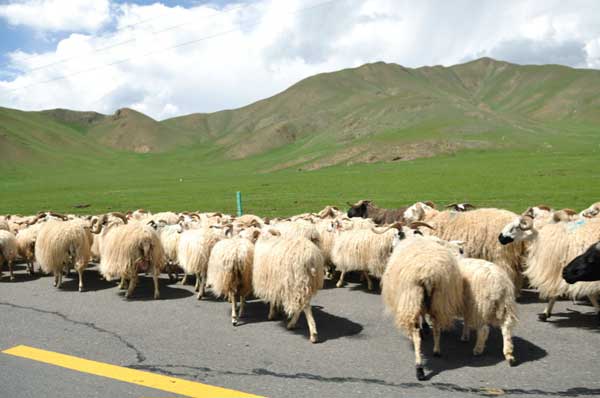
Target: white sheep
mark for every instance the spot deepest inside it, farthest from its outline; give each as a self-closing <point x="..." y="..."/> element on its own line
<point x="422" y="278"/>
<point x="61" y="244"/>
<point x="230" y="270"/>
<point x="489" y="299"/>
<point x="549" y="250"/>
<point x="287" y="273"/>
<point x="366" y="250"/>
<point x="8" y="251"/>
<point x="129" y="249"/>
<point x="26" y="245"/>
<point x="479" y="230"/>
<point x="193" y="254"/>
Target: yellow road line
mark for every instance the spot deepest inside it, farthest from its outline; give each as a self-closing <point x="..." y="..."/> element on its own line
<point x="146" y="379"/>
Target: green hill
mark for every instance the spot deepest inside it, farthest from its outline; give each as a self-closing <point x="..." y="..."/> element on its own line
<point x="486" y="131"/>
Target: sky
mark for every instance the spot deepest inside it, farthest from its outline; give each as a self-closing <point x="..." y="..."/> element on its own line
<point x="172" y="58"/>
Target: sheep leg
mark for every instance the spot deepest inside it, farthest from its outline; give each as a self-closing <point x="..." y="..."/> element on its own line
<point x="122" y="283"/>
<point x="507" y="345"/>
<point x="594" y="300"/>
<point x="369" y="281"/>
<point x="202" y="285"/>
<point x="58" y="279"/>
<point x="80" y="273"/>
<point x="340" y="283"/>
<point x="156" y="289"/>
<point x="272" y="312"/>
<point x="436" y="339"/>
<point x="234" y="316"/>
<point x="10" y="270"/>
<point x="242" y="302"/>
<point x="184" y="280"/>
<point x="416" y="339"/>
<point x="548" y="311"/>
<point x="312" y="325"/>
<point x="197" y="285"/>
<point x="55" y="279"/>
<point x="466" y="330"/>
<point x="292" y="323"/>
<point x="132" y="283"/>
<point x="482" y="335"/>
<point x="30" y="268"/>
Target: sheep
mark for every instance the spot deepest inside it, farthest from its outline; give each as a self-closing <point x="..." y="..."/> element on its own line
<point x="8" y="251"/>
<point x="419" y="211"/>
<point x="288" y="272"/>
<point x="366" y="209"/>
<point x="230" y="270"/>
<point x="168" y="217"/>
<point x="585" y="267"/>
<point x="488" y="299"/>
<point x="422" y="278"/>
<point x="60" y="244"/>
<point x="549" y="249"/>
<point x="4" y="226"/>
<point x="365" y="250"/>
<point x="193" y="254"/>
<point x="592" y="211"/>
<point x="169" y="238"/>
<point x="330" y="212"/>
<point x="461" y="206"/>
<point x="100" y="228"/>
<point x="479" y="230"/>
<point x="128" y="249"/>
<point x="26" y="245"/>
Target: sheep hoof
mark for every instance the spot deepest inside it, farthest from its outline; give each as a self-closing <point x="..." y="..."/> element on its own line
<point x="420" y="374"/>
<point x="464" y="339"/>
<point x="12" y="278"/>
<point x="511" y="361"/>
<point x="290" y="326"/>
<point x="199" y="296"/>
<point x="80" y="288"/>
<point x="234" y="322"/>
<point x="543" y="317"/>
<point x="314" y="338"/>
<point x="339" y="284"/>
<point x="156" y="296"/>
<point x="437" y="354"/>
<point x="477" y="352"/>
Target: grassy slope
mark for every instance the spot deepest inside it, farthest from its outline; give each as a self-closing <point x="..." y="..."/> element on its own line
<point x="543" y="123"/>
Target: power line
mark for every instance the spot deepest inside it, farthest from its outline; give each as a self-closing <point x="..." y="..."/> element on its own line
<point x="123" y="42"/>
<point x="178" y="45"/>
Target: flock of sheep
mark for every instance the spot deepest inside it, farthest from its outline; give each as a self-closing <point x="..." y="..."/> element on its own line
<point x="434" y="266"/>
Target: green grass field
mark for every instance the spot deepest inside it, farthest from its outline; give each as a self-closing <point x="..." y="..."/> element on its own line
<point x="182" y="180"/>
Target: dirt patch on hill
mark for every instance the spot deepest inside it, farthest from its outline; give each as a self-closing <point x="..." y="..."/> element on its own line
<point x="385" y="152"/>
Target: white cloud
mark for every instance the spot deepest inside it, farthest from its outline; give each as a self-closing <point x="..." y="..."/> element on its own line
<point x="269" y="45"/>
<point x="58" y="15"/>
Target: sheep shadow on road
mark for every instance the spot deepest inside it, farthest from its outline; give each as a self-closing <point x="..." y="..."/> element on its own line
<point x="457" y="354"/>
<point x="21" y="274"/>
<point x="329" y="326"/>
<point x="144" y="290"/>
<point x="92" y="282"/>
<point x="572" y="318"/>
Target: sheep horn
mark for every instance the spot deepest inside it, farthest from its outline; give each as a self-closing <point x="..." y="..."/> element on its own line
<point x="526" y="223"/>
<point x="119" y="215"/>
<point x="417" y="224"/>
<point x="569" y="212"/>
<point x="452" y="206"/>
<point x="468" y="206"/>
<point x="99" y="223"/>
<point x="430" y="204"/>
<point x="36" y="219"/>
<point x="58" y="215"/>
<point x="396" y="225"/>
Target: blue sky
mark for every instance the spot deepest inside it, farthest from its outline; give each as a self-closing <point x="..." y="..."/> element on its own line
<point x="204" y="56"/>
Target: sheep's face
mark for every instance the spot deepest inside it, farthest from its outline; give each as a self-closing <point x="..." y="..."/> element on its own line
<point x="591" y="211"/>
<point x="584" y="268"/>
<point x="518" y="230"/>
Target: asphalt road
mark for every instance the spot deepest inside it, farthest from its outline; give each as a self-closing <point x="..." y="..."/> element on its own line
<point x="361" y="354"/>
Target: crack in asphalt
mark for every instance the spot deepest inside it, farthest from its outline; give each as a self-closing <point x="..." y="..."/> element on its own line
<point x="200" y="372"/>
<point x="445" y="387"/>
<point x="140" y="357"/>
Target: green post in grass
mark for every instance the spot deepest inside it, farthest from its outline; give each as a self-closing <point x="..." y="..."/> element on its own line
<point x="239" y="203"/>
